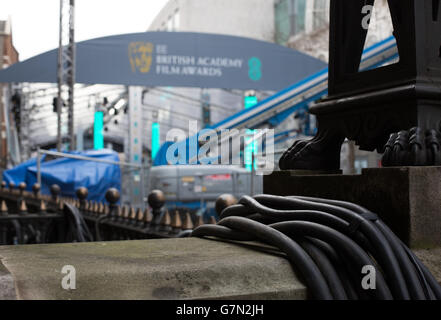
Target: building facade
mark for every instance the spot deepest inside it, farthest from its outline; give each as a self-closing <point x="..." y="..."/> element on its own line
<point x="9" y="153"/>
<point x="244" y="18"/>
<point x="304" y="25"/>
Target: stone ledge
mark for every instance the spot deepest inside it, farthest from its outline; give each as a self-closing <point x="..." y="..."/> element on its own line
<point x="188" y="268"/>
<point x="7" y="285"/>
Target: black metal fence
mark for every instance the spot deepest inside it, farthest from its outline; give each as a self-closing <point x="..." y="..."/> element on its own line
<point x="31" y="217"/>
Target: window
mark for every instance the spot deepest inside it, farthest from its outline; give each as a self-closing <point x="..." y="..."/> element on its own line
<point x="170" y="24"/>
<point x="289" y="19"/>
<point x="176" y="20"/>
<point x="360" y="164"/>
<point x="297" y="16"/>
<point x="173" y="22"/>
<point x="283" y="25"/>
<point x="321" y="14"/>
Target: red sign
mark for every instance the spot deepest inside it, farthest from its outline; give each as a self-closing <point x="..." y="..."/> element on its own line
<point x="219" y="177"/>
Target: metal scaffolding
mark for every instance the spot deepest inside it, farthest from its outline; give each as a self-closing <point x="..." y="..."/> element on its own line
<point x="66" y="70"/>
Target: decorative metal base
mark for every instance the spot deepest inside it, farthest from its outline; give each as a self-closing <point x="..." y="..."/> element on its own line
<point x="320" y="153"/>
<point x="368" y="106"/>
<point x="414" y="147"/>
<point x="368" y="119"/>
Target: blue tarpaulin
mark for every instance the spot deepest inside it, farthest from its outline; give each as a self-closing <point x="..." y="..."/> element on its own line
<point x="70" y="174"/>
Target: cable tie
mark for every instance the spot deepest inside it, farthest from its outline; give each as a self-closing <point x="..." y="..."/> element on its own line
<point x="354" y="225"/>
<point x="369" y="216"/>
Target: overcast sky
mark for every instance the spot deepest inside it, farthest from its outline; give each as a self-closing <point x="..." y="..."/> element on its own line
<point x="35" y="22"/>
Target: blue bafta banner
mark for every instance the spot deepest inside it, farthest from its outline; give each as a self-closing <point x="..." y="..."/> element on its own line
<point x="180" y="59"/>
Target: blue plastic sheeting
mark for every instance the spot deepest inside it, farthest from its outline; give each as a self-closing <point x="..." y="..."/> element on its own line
<point x="70" y="174"/>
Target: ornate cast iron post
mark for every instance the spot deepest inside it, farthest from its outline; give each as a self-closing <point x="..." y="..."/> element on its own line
<point x="369" y="106"/>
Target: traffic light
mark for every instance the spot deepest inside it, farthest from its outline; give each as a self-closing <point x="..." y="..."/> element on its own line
<point x="54" y="104"/>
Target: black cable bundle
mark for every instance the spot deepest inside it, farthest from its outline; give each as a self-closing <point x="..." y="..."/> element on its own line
<point x="329" y="243"/>
<point x="77" y="227"/>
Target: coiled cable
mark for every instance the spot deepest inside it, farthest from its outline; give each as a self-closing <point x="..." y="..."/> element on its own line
<point x="329" y="242"/>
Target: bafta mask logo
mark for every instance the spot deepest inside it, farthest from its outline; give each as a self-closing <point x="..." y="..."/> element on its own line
<point x="140" y="56"/>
